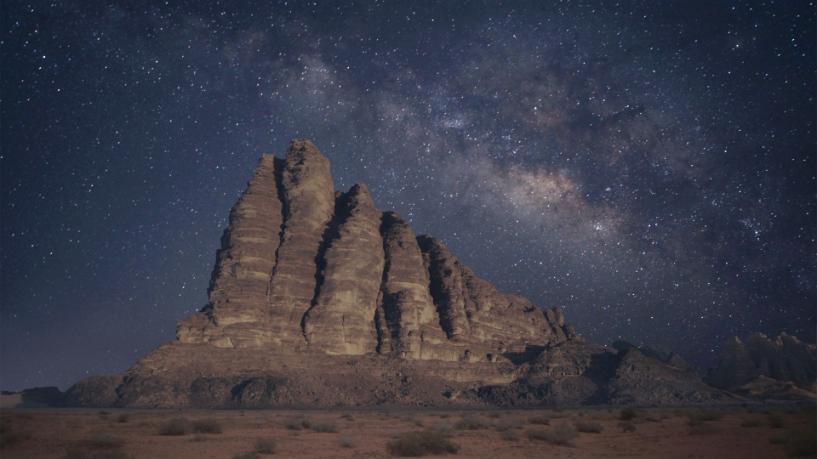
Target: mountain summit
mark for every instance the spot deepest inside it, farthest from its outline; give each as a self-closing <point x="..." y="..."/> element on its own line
<point x="318" y="298"/>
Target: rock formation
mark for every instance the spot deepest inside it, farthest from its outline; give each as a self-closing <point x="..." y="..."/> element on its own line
<point x="760" y="360"/>
<point x="318" y="298"/>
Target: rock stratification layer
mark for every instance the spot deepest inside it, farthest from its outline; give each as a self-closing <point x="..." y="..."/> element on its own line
<point x="318" y="298"/>
<point x="304" y="267"/>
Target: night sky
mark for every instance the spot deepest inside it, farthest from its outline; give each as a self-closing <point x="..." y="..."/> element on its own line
<point x="648" y="166"/>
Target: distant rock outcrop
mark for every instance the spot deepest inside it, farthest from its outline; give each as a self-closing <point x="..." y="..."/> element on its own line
<point x="753" y="366"/>
<point x="318" y="298"/>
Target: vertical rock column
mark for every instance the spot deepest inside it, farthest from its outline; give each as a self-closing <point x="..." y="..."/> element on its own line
<point x="409" y="325"/>
<point x="309" y="201"/>
<point x="341" y="320"/>
<point x="447" y="287"/>
<point x="237" y="310"/>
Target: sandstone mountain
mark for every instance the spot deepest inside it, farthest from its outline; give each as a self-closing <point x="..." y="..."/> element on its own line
<point x="318" y="298"/>
<point x="783" y="367"/>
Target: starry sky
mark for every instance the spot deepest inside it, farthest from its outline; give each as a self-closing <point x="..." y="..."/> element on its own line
<point x="647" y="166"/>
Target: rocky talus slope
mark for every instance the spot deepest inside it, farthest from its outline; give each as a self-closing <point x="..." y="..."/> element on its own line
<point x="318" y="298"/>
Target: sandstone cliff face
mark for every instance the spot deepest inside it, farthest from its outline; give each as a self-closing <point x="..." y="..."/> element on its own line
<point x="301" y="267"/>
<point x="320" y="299"/>
<point x="784" y="358"/>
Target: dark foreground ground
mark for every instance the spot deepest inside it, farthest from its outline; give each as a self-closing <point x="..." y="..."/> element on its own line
<point x="758" y="432"/>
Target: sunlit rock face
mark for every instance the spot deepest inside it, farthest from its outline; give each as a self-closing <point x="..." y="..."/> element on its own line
<point x="302" y="266"/>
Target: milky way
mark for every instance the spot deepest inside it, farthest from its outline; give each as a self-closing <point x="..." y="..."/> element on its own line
<point x="649" y="167"/>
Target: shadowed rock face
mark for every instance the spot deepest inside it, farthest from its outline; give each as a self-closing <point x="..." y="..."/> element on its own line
<point x="318" y="298"/>
<point x="784" y="358"/>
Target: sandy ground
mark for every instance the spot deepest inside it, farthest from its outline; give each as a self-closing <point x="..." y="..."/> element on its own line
<point x="667" y="433"/>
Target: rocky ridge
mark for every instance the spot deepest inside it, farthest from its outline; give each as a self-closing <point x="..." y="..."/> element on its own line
<point x="318" y="298"/>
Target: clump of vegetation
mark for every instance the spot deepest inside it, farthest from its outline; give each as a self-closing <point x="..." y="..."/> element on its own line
<point x="77" y="452"/>
<point x="539" y="420"/>
<point x="10" y="438"/>
<point x="698" y="417"/>
<point x="504" y="426"/>
<point x="266" y="446"/>
<point x="103" y="413"/>
<point x="346" y="442"/>
<point x="104" y="441"/>
<point x="469" y="423"/>
<point x="249" y="455"/>
<point x="297" y="424"/>
<point x="775" y="421"/>
<point x="207" y="426"/>
<point x="175" y="426"/>
<point x="701" y="428"/>
<point x="589" y="427"/>
<point x="626" y="426"/>
<point x="347" y="416"/>
<point x="627" y="414"/>
<point x="509" y="435"/>
<point x="750" y="423"/>
<point x="562" y="434"/>
<point x="493" y="414"/>
<point x="123" y="418"/>
<point x="801" y="442"/>
<point x="323" y="427"/>
<point x="423" y="443"/>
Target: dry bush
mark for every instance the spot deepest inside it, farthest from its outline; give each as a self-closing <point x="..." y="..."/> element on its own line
<point x="627" y="414"/>
<point x="122" y="418"/>
<point x="424" y="443"/>
<point x="698" y="417"/>
<point x="562" y="434"/>
<point x="469" y="423"/>
<point x="346" y="442"/>
<point x="751" y="423"/>
<point x="626" y="426"/>
<point x="249" y="455"/>
<point x="775" y="421"/>
<point x="347" y="416"/>
<point x="266" y="446"/>
<point x="175" y="426"/>
<point x="297" y="424"/>
<point x="207" y="426"/>
<point x="104" y="441"/>
<point x="509" y="435"/>
<point x="324" y="427"/>
<point x="539" y="420"/>
<point x="801" y="443"/>
<point x="589" y="427"/>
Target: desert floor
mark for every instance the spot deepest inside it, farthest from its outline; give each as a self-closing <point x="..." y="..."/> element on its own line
<point x="758" y="432"/>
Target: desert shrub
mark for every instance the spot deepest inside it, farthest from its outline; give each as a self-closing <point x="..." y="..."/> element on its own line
<point x="418" y="423"/>
<point x="750" y="423"/>
<point x="323" y="427"/>
<point x="415" y="444"/>
<point x="626" y="426"/>
<point x="627" y="414"/>
<point x="249" y="455"/>
<point x="493" y="414"/>
<point x="775" y="421"/>
<point x="346" y="442"/>
<point x="103" y="414"/>
<point x="801" y="443"/>
<point x="540" y="420"/>
<point x="778" y="440"/>
<point x="10" y="438"/>
<point x="504" y="426"/>
<point x="509" y="435"/>
<point x="122" y="418"/>
<point x="78" y="452"/>
<point x="652" y="419"/>
<point x="560" y="435"/>
<point x="207" y="426"/>
<point x="347" y="416"/>
<point x="589" y="427"/>
<point x="175" y="426"/>
<point x="265" y="446"/>
<point x="469" y="423"/>
<point x="698" y="417"/>
<point x="297" y="424"/>
<point x="701" y="428"/>
<point x="104" y="441"/>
